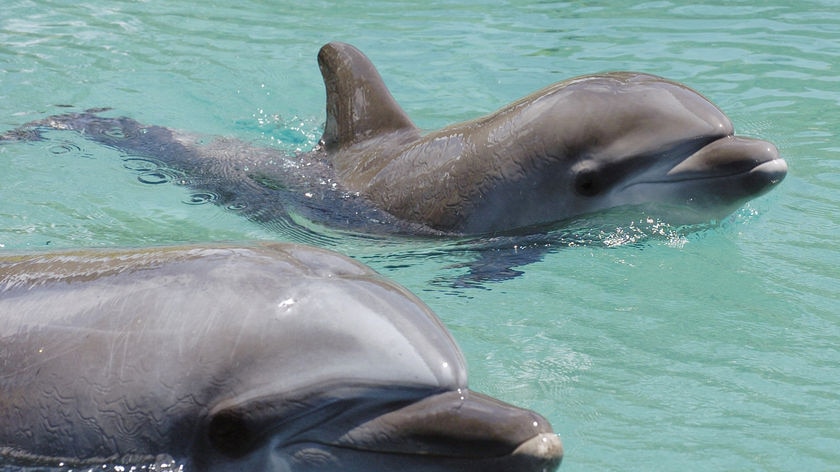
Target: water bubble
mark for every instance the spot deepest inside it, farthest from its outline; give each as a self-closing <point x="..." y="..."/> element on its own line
<point x="159" y="176"/>
<point x="141" y="164"/>
<point x="115" y="132"/>
<point x="200" y="198"/>
<point x="64" y="148"/>
<point x="152" y="171"/>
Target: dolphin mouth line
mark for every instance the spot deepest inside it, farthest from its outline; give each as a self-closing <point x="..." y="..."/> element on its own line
<point x="448" y="426"/>
<point x="540" y="446"/>
<point x="776" y="166"/>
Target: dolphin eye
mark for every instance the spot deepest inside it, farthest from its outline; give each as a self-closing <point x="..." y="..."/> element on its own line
<point x="586" y="183"/>
<point x="229" y="434"/>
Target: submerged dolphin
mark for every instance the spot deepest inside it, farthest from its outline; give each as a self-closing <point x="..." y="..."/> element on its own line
<point x="274" y="358"/>
<point x="580" y="146"/>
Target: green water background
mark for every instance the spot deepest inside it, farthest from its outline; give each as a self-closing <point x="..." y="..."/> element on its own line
<point x="715" y="350"/>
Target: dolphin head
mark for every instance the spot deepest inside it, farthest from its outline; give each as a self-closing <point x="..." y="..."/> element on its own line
<point x="273" y="357"/>
<point x="622" y="139"/>
<point x="359" y="375"/>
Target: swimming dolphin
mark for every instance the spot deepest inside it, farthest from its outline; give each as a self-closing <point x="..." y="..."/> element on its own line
<point x="584" y="145"/>
<point x="277" y="357"/>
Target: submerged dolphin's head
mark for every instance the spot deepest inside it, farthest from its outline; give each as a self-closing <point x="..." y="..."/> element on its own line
<point x="348" y="371"/>
<point x="621" y="139"/>
<point x="270" y="358"/>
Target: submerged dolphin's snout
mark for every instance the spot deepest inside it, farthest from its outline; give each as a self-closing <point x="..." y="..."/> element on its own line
<point x="464" y="426"/>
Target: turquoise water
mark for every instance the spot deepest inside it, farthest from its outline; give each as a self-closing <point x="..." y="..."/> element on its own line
<point x="648" y="347"/>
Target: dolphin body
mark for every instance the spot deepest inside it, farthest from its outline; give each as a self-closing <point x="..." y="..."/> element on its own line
<point x="576" y="147"/>
<point x="277" y="357"/>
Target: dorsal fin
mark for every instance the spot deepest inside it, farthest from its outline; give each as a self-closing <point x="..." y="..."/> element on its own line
<point x="359" y="105"/>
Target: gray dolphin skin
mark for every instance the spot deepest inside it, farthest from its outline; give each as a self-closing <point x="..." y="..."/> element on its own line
<point x="576" y="147"/>
<point x="274" y="357"/>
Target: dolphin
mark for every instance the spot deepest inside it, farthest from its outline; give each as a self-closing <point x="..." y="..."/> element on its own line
<point x="273" y="357"/>
<point x="588" y="144"/>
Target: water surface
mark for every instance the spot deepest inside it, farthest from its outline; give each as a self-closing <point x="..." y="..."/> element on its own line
<point x="648" y="347"/>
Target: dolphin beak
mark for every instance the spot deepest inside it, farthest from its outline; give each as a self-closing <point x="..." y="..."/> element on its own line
<point x="754" y="165"/>
<point x="711" y="182"/>
<point x="462" y="427"/>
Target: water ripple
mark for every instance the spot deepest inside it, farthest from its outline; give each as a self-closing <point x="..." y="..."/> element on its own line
<point x="201" y="198"/>
<point x="153" y="172"/>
